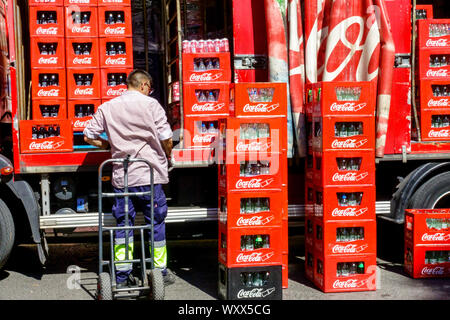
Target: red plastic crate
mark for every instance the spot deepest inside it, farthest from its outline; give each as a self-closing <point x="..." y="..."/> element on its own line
<point x="191" y="74"/>
<point x="63" y="143"/>
<point x="193" y="135"/>
<point x="345" y="99"/>
<point x="79" y="123"/>
<point x="309" y="134"/>
<point x="231" y="204"/>
<point x="420" y="226"/>
<point x="237" y="140"/>
<point x="49" y="29"/>
<point x="427" y="7"/>
<point x="310" y="261"/>
<point x="310" y="226"/>
<point x="324" y="138"/>
<point x="107" y="91"/>
<point x="328" y="208"/>
<point x="285" y="271"/>
<point x="249" y="101"/>
<point x="327" y="170"/>
<point x="309" y="165"/>
<point x="425" y="41"/>
<point x="417" y="265"/>
<point x="50" y="92"/>
<point x="79" y="30"/>
<point x="117" y="29"/>
<point x="430" y="133"/>
<point x="74" y="60"/>
<point x="275" y="179"/>
<point x="429" y="98"/>
<point x="44" y="3"/>
<point x="75" y="91"/>
<point x="231" y="255"/>
<point x="80" y="3"/>
<point x="310" y="199"/>
<point x="39" y="106"/>
<point x="327" y="280"/>
<point x="325" y="238"/>
<point x="192" y="105"/>
<point x="427" y="70"/>
<point x="116" y="60"/>
<point x="114" y="2"/>
<point x="41" y="44"/>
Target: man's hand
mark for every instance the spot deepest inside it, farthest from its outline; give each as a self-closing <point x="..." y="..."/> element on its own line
<point x="99" y="142"/>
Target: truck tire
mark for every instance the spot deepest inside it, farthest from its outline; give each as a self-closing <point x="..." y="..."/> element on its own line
<point x="435" y="193"/>
<point x="7" y="233"/>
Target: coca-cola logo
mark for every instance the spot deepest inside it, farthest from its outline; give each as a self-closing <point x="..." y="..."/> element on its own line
<point x="79" y="1"/>
<point x="116" y="30"/>
<point x="346" y="284"/>
<point x="253" y="183"/>
<point x="117" y="61"/>
<point x="111" y="1"/>
<point x="261" y="107"/>
<point x="349" y="177"/>
<point x="208" y="138"/>
<point x="115" y="92"/>
<point x="208" y="107"/>
<point x="51" y="60"/>
<point x="205" y="77"/>
<point x="348" y="212"/>
<point x="45" y="145"/>
<point x="79" y="29"/>
<point x="437" y="73"/>
<point x="84" y="92"/>
<point x="253" y="146"/>
<point x="48" y="93"/>
<point x="349" y="248"/>
<point x="436" y="237"/>
<point x="255" y="293"/>
<point x="436" y="43"/>
<point x="436" y="271"/>
<point x="47" y="31"/>
<point x="439" y="134"/>
<point x="348" y="144"/>
<point x="81" y="124"/>
<point x="254" y="221"/>
<point x="86" y="60"/>
<point x="253" y="257"/>
<point x="347" y="107"/>
<point x="438" y="103"/>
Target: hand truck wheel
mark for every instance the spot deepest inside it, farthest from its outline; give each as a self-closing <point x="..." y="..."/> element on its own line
<point x="156" y="284"/>
<point x="104" y="290"/>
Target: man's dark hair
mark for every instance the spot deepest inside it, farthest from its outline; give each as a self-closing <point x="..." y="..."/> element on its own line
<point x="136" y="77"/>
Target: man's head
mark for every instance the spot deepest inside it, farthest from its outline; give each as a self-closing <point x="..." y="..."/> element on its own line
<point x="140" y="80"/>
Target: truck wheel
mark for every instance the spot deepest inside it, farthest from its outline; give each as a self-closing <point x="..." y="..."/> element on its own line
<point x="7" y="233"/>
<point x="156" y="283"/>
<point x="104" y="290"/>
<point x="435" y="193"/>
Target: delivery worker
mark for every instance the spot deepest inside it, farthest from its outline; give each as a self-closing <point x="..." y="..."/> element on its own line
<point x="136" y="125"/>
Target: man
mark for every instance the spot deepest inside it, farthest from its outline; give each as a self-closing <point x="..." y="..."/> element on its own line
<point x="136" y="125"/>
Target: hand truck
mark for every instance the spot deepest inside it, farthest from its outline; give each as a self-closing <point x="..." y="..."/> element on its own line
<point x="151" y="279"/>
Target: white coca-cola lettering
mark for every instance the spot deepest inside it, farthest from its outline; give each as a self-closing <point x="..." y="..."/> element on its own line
<point x="48" y="93"/>
<point x="207" y="107"/>
<point x="84" y="92"/>
<point x="79" y="1"/>
<point x="347" y="107"/>
<point x="83" y="29"/>
<point x="51" y="60"/>
<point x="112" y="1"/>
<point x="86" y="60"/>
<point x="253" y="257"/>
<point x="349" y="248"/>
<point x="205" y="77"/>
<point x="350" y="283"/>
<point x="439" y="134"/>
<point x="261" y="107"/>
<point x="47" y="31"/>
<point x="81" y="124"/>
<point x="349" y="177"/>
<point x="436" y="43"/>
<point x="117" y="61"/>
<point x="436" y="271"/>
<point x="253" y="183"/>
<point x="46" y="145"/>
<point x="435" y="237"/>
<point x="348" y="212"/>
<point x="115" y="92"/>
<point x="437" y="73"/>
<point x="203" y="139"/>
<point x="348" y="144"/>
<point x="253" y="221"/>
<point x="438" y="103"/>
<point x="116" y="30"/>
<point x="253" y="146"/>
<point x="254" y="293"/>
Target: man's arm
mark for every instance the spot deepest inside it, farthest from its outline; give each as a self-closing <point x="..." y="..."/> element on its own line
<point x="99" y="142"/>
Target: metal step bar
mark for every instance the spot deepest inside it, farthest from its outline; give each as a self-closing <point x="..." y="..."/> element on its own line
<point x="296" y="214"/>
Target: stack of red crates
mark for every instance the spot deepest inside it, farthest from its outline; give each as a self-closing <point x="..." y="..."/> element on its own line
<point x="340" y="225"/>
<point x="206" y="92"/>
<point x="427" y="243"/>
<point x="253" y="207"/>
<point x="433" y="75"/>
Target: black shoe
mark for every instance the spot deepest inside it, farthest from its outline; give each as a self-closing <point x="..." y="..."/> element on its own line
<point x="130" y="282"/>
<point x="169" y="277"/>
